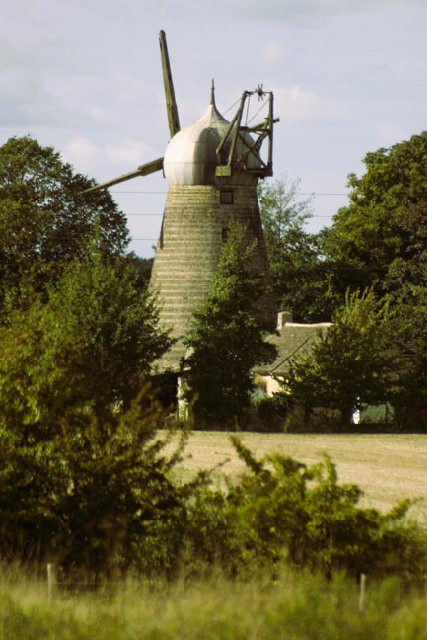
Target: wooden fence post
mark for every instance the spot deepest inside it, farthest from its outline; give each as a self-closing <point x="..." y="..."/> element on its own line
<point x="362" y="591"/>
<point x="51" y="580"/>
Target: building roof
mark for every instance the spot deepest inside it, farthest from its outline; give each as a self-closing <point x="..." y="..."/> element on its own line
<point x="291" y="340"/>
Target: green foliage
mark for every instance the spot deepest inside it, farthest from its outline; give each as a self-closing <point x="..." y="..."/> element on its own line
<point x="407" y="282"/>
<point x="410" y="397"/>
<point x="385" y="221"/>
<point x="293" y="606"/>
<point x="379" y="240"/>
<point x="283" y="511"/>
<point x="351" y="363"/>
<point x="121" y="494"/>
<point x="297" y="269"/>
<point x="45" y="219"/>
<point x="267" y="413"/>
<point x="81" y="473"/>
<point x="280" y="208"/>
<point x="409" y="269"/>
<point x="143" y="266"/>
<point x="88" y="346"/>
<point x="87" y="496"/>
<point x="227" y="337"/>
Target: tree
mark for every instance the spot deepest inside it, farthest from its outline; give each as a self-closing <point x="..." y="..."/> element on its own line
<point x="227" y="337"/>
<point x="353" y="362"/>
<point x="94" y="498"/>
<point x="45" y="219"/>
<point x="88" y="346"/>
<point x="379" y="240"/>
<point x="386" y="220"/>
<point x="297" y="269"/>
<point x="82" y="473"/>
<point x="410" y="398"/>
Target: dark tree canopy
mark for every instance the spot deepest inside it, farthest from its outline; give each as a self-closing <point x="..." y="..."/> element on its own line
<point x="385" y="223"/>
<point x="380" y="240"/>
<point x="45" y="220"/>
<point x="81" y="469"/>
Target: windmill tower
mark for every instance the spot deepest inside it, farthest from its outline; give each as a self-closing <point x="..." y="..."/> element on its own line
<point x="212" y="168"/>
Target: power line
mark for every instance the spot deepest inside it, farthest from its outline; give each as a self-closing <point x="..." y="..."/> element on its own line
<point x="311" y="193"/>
<point x="315" y="215"/>
<point x="149" y="192"/>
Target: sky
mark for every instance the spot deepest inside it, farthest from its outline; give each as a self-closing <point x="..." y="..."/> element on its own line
<point x="84" y="76"/>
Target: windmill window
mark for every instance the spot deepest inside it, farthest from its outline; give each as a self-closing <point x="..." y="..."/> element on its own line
<point x="224" y="234"/>
<point x="226" y="196"/>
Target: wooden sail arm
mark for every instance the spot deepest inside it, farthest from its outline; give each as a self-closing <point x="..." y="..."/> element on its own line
<point x="143" y="170"/>
<point x="171" y="105"/>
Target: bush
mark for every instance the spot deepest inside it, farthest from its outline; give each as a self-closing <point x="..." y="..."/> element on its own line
<point x="282" y="511"/>
<point x="93" y="497"/>
<point x="267" y="414"/>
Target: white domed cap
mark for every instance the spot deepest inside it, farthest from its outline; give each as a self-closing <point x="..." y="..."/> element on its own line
<point x="190" y="157"/>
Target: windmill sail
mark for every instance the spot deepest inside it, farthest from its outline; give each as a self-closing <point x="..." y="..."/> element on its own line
<point x="143" y="170"/>
<point x="171" y="106"/>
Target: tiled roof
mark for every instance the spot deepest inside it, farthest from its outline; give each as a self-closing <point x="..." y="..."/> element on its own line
<point x="291" y="340"/>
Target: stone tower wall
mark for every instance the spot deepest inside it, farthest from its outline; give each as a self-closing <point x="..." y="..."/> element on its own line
<point x="194" y="228"/>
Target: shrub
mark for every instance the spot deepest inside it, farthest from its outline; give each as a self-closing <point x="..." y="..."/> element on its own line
<point x="94" y="496"/>
<point x="284" y="511"/>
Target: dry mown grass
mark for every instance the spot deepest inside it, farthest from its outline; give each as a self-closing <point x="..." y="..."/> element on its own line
<point x="388" y="468"/>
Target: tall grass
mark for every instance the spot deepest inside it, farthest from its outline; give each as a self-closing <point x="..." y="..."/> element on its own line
<point x="295" y="606"/>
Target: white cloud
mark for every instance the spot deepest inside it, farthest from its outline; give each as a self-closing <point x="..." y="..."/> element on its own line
<point x="387" y="133"/>
<point x="272" y="51"/>
<point x="131" y="152"/>
<point x="299" y="105"/>
<point x="125" y="155"/>
<point x="80" y="152"/>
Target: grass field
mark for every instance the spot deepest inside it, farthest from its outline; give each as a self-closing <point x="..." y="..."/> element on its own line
<point x="388" y="468"/>
<point x="294" y="607"/>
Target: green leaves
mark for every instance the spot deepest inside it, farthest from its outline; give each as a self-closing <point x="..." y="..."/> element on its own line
<point x="297" y="269"/>
<point x="87" y="348"/>
<point x="372" y="232"/>
<point x="353" y="362"/>
<point x="87" y="496"/>
<point x="227" y="336"/>
<point x="45" y="220"/>
<point x="82" y="470"/>
<point x="282" y="510"/>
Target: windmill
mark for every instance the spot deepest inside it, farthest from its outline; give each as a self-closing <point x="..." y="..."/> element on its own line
<point x="212" y="168"/>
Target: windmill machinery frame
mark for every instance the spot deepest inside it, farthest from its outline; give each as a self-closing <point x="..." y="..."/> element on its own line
<point x="229" y="160"/>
